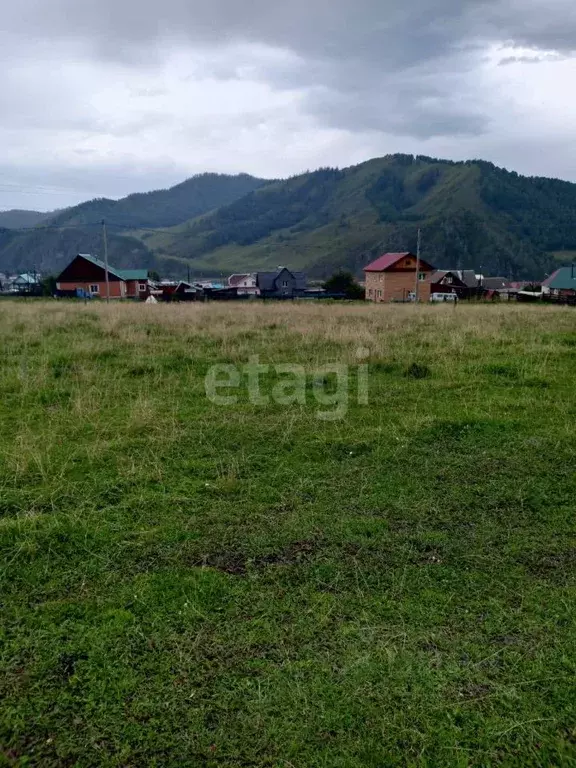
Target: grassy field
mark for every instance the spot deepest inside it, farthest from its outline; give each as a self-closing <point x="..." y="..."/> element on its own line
<point x="192" y="584"/>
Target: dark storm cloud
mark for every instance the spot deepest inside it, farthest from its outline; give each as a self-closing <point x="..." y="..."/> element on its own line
<point x="368" y="64"/>
<point x="407" y="70"/>
<point x="368" y="57"/>
<point x="409" y="32"/>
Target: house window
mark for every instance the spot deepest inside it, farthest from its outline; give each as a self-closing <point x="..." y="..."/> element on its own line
<point x="142" y="286"/>
<point x="379" y="294"/>
<point x="421" y="276"/>
<point x="447" y="280"/>
<point x="285" y="284"/>
<point x="407" y="263"/>
<point x="94" y="289"/>
<point x="370" y="292"/>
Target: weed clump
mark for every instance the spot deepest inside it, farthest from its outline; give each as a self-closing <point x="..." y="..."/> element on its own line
<point x="418" y="371"/>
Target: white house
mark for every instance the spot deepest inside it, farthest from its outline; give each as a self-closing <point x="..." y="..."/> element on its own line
<point x="247" y="284"/>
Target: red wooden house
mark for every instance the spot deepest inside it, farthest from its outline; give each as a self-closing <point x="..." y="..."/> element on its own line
<point x="86" y="274"/>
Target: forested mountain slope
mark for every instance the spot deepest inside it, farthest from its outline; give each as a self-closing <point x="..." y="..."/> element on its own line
<point x="75" y="229"/>
<point x="19" y="219"/>
<point x="472" y="214"/>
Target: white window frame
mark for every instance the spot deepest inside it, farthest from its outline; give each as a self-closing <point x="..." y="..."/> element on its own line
<point x="95" y="289"/>
<point x="421" y="276"/>
<point x="142" y="286"/>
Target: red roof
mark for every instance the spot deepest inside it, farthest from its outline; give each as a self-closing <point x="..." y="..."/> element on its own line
<point x="386" y="261"/>
<point x="389" y="259"/>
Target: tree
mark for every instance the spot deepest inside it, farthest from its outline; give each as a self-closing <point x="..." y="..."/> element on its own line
<point x="49" y="285"/>
<point x="344" y="283"/>
<point x="153" y="275"/>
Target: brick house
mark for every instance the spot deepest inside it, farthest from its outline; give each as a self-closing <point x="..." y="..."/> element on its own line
<point x="87" y="275"/>
<point x="392" y="277"/>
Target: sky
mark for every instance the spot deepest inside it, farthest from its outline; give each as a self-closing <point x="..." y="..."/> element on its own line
<point x="101" y="99"/>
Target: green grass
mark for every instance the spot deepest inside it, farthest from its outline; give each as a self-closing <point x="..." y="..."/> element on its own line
<point x="192" y="584"/>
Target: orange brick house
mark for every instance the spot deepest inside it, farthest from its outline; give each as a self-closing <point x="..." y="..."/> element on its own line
<point x="86" y="273"/>
<point x="392" y="277"/>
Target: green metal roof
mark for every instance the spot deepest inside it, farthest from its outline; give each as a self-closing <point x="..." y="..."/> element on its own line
<point x="562" y="280"/>
<point x="123" y="274"/>
<point x="135" y="274"/>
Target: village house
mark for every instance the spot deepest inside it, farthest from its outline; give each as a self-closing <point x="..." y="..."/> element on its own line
<point x="246" y="285"/>
<point x="393" y="276"/>
<point x="282" y="284"/>
<point x="447" y="281"/>
<point x="561" y="283"/>
<point x="86" y="275"/>
<point x="26" y="283"/>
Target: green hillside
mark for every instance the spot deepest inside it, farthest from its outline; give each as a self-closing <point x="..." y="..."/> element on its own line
<point x="18" y="219"/>
<point x="164" y="207"/>
<point x="472" y="215"/>
<point x="77" y="229"/>
<point x="49" y="251"/>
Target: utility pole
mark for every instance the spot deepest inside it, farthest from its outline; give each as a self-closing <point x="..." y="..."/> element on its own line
<point x="105" y="238"/>
<point x="417" y="286"/>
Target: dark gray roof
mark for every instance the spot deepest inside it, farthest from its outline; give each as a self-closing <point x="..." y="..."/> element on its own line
<point x="468" y="277"/>
<point x="440" y="274"/>
<point x="301" y="280"/>
<point x="435" y="277"/>
<point x="495" y="283"/>
<point x="266" y="280"/>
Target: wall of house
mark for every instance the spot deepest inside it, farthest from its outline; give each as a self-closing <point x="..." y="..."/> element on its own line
<point x="133" y="289"/>
<point x="395" y="285"/>
<point x="117" y="287"/>
<point x="443" y="287"/>
<point x="285" y="290"/>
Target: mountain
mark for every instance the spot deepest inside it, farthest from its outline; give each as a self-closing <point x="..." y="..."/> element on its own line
<point x="16" y="219"/>
<point x="78" y="229"/>
<point x="48" y="251"/>
<point x="164" y="207"/>
<point x="472" y="214"/>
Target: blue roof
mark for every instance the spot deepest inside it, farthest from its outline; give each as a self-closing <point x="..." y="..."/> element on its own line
<point x="26" y="278"/>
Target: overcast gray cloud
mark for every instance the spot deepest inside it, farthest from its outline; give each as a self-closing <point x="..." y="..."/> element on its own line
<point x="102" y="98"/>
